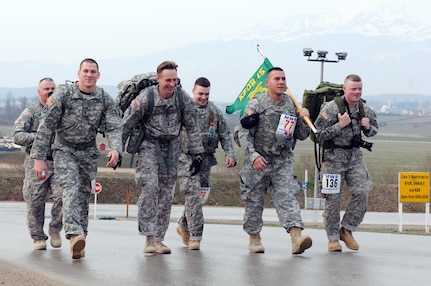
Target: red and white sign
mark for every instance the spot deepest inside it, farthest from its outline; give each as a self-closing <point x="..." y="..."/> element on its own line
<point x="97" y="188"/>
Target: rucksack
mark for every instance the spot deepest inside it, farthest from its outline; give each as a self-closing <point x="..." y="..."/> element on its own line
<point x="313" y="101"/>
<point x="128" y="90"/>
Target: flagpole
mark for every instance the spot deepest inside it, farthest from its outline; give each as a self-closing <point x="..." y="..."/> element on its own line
<point x="289" y="93"/>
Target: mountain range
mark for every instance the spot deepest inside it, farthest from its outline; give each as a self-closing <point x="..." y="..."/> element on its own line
<point x="387" y="47"/>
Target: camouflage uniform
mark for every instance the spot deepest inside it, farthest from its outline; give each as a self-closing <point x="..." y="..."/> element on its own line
<point x="192" y="218"/>
<point x="76" y="117"/>
<point x="158" y="155"/>
<point x="278" y="175"/>
<point x="35" y="190"/>
<point x="340" y="158"/>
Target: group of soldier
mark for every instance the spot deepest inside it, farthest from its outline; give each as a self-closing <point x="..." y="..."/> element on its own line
<point x="179" y="139"/>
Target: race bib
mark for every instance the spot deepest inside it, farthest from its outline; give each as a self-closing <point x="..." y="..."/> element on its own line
<point x="286" y="126"/>
<point x="205" y="192"/>
<point x="331" y="183"/>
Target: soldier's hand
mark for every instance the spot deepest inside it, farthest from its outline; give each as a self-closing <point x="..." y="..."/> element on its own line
<point x="365" y="122"/>
<point x="343" y="120"/>
<point x="39" y="168"/>
<point x="113" y="159"/>
<point x="259" y="163"/>
<point x="230" y="162"/>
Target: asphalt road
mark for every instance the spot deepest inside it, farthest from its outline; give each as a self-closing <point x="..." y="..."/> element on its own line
<point x="114" y="253"/>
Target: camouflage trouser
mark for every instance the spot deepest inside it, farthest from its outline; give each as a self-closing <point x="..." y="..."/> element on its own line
<point x="351" y="166"/>
<point x="35" y="192"/>
<point x="158" y="187"/>
<point x="192" y="217"/>
<point x="280" y="180"/>
<point x="74" y="171"/>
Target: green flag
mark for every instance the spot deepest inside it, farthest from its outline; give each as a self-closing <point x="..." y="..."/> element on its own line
<point x="255" y="85"/>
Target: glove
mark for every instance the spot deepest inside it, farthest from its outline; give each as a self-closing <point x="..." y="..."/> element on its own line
<point x="195" y="167"/>
<point x="250" y="121"/>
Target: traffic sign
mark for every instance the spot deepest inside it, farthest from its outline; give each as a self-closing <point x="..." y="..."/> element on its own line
<point x="97" y="188"/>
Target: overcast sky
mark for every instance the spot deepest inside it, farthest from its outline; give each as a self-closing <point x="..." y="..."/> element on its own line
<point x="56" y="31"/>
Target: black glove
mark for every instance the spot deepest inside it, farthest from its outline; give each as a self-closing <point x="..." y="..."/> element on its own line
<point x="249" y="122"/>
<point x="195" y="167"/>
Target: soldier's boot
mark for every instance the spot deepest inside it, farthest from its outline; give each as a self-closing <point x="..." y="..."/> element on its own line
<point x="184" y="233"/>
<point x="255" y="244"/>
<point x="334" y="246"/>
<point x="194" y="244"/>
<point x="39" y="245"/>
<point x="161" y="248"/>
<point x="347" y="237"/>
<point x="55" y="238"/>
<point x="299" y="243"/>
<point x="77" y="245"/>
<point x="149" y="245"/>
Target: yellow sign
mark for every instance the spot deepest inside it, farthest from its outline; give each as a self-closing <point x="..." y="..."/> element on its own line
<point x="414" y="187"/>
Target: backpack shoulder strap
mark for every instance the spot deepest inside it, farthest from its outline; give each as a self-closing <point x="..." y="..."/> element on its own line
<point x="361" y="109"/>
<point x="150" y="106"/>
<point x="339" y="101"/>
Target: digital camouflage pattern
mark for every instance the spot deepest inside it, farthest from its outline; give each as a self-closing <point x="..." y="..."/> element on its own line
<point x="192" y="218"/>
<point x="278" y="175"/>
<point x="349" y="163"/>
<point x="76" y="118"/>
<point x="35" y="190"/>
<point x="158" y="156"/>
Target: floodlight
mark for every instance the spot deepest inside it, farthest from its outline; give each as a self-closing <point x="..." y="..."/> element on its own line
<point x="341" y="56"/>
<point x="322" y="54"/>
<point x="307" y="52"/>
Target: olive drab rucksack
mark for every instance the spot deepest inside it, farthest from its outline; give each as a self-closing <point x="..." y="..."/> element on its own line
<point x="313" y="101"/>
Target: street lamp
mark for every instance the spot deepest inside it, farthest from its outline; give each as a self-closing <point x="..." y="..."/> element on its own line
<point x="321" y="57"/>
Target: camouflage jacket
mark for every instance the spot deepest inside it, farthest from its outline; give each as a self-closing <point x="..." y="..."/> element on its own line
<point x="25" y="126"/>
<point x="328" y="128"/>
<point x="166" y="119"/>
<point x="260" y="140"/>
<point x="76" y="118"/>
<point x="211" y="136"/>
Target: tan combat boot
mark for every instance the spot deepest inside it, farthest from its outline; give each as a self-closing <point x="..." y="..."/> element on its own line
<point x="39" y="245"/>
<point x="149" y="245"/>
<point x="347" y="237"/>
<point x="55" y="238"/>
<point x="334" y="246"/>
<point x="299" y="243"/>
<point x="194" y="244"/>
<point x="77" y="245"/>
<point x="255" y="245"/>
<point x="185" y="234"/>
<point x="161" y="248"/>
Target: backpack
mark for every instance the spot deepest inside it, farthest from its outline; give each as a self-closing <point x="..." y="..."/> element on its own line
<point x="128" y="90"/>
<point x="313" y="99"/>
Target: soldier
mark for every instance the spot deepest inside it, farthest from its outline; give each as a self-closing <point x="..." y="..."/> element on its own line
<point x="75" y="113"/>
<point x="343" y="162"/>
<point x="35" y="190"/>
<point x="267" y="135"/>
<point x="213" y="129"/>
<point x="159" y="151"/>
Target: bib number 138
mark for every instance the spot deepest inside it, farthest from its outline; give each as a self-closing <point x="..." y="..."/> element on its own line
<point x="331" y="183"/>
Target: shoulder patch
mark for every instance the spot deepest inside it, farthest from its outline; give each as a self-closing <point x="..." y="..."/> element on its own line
<point x="50" y="101"/>
<point x="17" y="121"/>
<point x="324" y="115"/>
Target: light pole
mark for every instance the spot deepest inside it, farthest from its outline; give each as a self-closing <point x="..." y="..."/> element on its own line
<point x="321" y="57"/>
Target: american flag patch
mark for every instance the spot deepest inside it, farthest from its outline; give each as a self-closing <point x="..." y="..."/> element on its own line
<point x="324" y="115"/>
